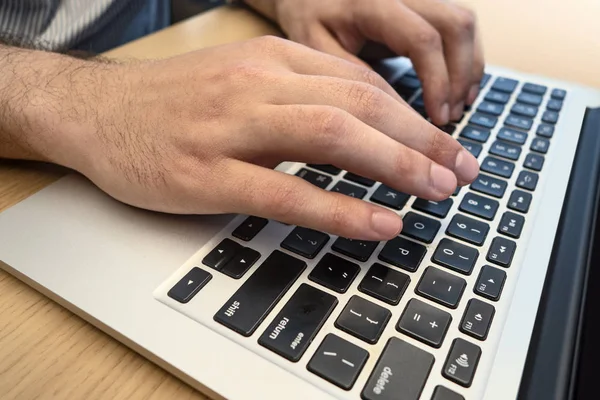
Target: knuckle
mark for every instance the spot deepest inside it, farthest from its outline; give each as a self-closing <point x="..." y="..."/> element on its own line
<point x="369" y="101"/>
<point x="328" y="125"/>
<point x="339" y="215"/>
<point x="435" y="144"/>
<point x="270" y="42"/>
<point x="245" y="71"/>
<point x="428" y="38"/>
<point x="464" y="22"/>
<point x="283" y="200"/>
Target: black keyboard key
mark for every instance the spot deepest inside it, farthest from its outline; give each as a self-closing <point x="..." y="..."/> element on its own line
<point x="540" y="145"/>
<point x="477" y="319"/>
<point x="534" y="161"/>
<point x="473" y="148"/>
<point x="516" y="121"/>
<point x="558" y="94"/>
<point x="449" y="128"/>
<point x="528" y="98"/>
<point x="189" y="285"/>
<point x="527" y="180"/>
<point x="335" y="273"/>
<point x="484" y="120"/>
<point x="511" y="224"/>
<point x="400" y="372"/>
<point x="462" y="362"/>
<point x="456" y="191"/>
<point x="419" y="227"/>
<point x="407" y="86"/>
<point x="506" y="150"/>
<point x="349" y="190"/>
<point x="221" y="254"/>
<point x="497" y="97"/>
<point x="487" y="107"/>
<point x="338" y="361"/>
<point x="550" y="117"/>
<point x="512" y="135"/>
<point x="257" y="296"/>
<point x="497" y="167"/>
<point x="418" y="102"/>
<point x="505" y="85"/>
<point x="468" y="229"/>
<point x="359" y="179"/>
<point x="315" y="178"/>
<point x="479" y="206"/>
<point x="501" y="251"/>
<point x="241" y="263"/>
<point x="384" y="284"/>
<point x="442" y="287"/>
<point x="488" y="185"/>
<point x="436" y="208"/>
<point x="490" y="282"/>
<point x="330" y="169"/>
<point x="425" y="323"/>
<point x="519" y="201"/>
<point x="554" y="105"/>
<point x="534" y="88"/>
<point x="456" y="256"/>
<point x="475" y="133"/>
<point x="545" y="130"/>
<point x="360" y="250"/>
<point x="304" y="241"/>
<point x="524" y="110"/>
<point x="443" y="393"/>
<point x="411" y="72"/>
<point x="298" y="322"/>
<point x="403" y="253"/>
<point x="389" y="197"/>
<point x="363" y="319"/>
<point x="484" y="80"/>
<point x="249" y="228"/>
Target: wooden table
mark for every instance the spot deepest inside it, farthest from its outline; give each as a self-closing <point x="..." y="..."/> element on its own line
<point x="46" y="351"/>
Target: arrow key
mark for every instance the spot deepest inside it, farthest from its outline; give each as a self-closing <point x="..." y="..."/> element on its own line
<point x="502" y="251"/>
<point x="241" y="262"/>
<point x="221" y="254"/>
<point x="189" y="285"/>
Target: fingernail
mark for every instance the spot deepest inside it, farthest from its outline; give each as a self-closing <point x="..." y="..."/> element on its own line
<point x="473" y="92"/>
<point x="442" y="179"/>
<point x="466" y="166"/>
<point x="445" y="114"/>
<point x="458" y="111"/>
<point x="386" y="224"/>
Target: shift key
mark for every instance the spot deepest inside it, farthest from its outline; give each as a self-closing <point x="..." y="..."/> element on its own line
<point x="400" y="373"/>
<point x="298" y="322"/>
<point x="249" y="306"/>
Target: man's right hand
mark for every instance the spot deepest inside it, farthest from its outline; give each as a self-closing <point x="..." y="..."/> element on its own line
<point x="201" y="133"/>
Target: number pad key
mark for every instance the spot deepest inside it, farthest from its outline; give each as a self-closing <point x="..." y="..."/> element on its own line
<point x="527" y="180"/>
<point x="490" y="282"/>
<point x="442" y="287"/>
<point x="519" y="201"/>
<point x="403" y="253"/>
<point x="360" y="250"/>
<point x="468" y="229"/>
<point x="497" y="167"/>
<point x="462" y="362"/>
<point x="475" y="133"/>
<point x="502" y="251"/>
<point x="304" y="241"/>
<point x="477" y="319"/>
<point x="511" y="224"/>
<point x="479" y="206"/>
<point x="488" y="185"/>
<point x="389" y="197"/>
<point x="436" y="208"/>
<point x="534" y="161"/>
<point x="335" y="273"/>
<point x="384" y="284"/>
<point x="420" y="227"/>
<point x="315" y="178"/>
<point x="363" y="319"/>
<point x="512" y="135"/>
<point x="455" y="256"/>
<point x="473" y="148"/>
<point x="505" y="150"/>
<point x="425" y="323"/>
<point x="540" y="145"/>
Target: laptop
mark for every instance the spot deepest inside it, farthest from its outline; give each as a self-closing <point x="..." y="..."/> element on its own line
<point x="481" y="296"/>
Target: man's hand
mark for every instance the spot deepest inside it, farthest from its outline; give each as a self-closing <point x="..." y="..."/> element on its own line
<point x="200" y="133"/>
<point x="438" y="36"/>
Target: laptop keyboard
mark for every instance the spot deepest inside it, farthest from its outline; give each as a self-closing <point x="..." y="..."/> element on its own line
<point x="389" y="317"/>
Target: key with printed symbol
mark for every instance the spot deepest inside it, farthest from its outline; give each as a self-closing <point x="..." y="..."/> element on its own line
<point x="462" y="362"/>
<point x="436" y="208"/>
<point x="455" y="256"/>
<point x="529" y="98"/>
<point x="490" y="282"/>
<point x="189" y="285"/>
<point x="349" y="190"/>
<point x="384" y="284"/>
<point x="519" y="201"/>
<point x="534" y="161"/>
<point x="527" y="180"/>
<point x="338" y="361"/>
<point x="473" y="148"/>
<point x="477" y="319"/>
<point x="360" y="250"/>
<point x="540" y="145"/>
<point x="334" y="272"/>
<point x="534" y="88"/>
<point x="506" y="150"/>
<point x="475" y="133"/>
<point x="519" y="122"/>
<point x="363" y="319"/>
<point x="479" y="206"/>
<point x="221" y="254"/>
<point x="511" y="224"/>
<point x="315" y="178"/>
<point x="494" y="109"/>
<point x="512" y="135"/>
<point x="249" y="228"/>
<point x="498" y="167"/>
<point x="550" y="117"/>
<point x="501" y="251"/>
<point x="468" y="229"/>
<point x="304" y="241"/>
<point x="442" y="287"/>
<point x="505" y="85"/>
<point x="488" y="185"/>
<point x="558" y="94"/>
<point x="545" y="130"/>
<point x="554" y="105"/>
<point x="524" y="110"/>
<point x="425" y="323"/>
<point x="403" y="253"/>
<point x="497" y="97"/>
<point x="419" y="227"/>
<point x="241" y="263"/>
<point x="389" y="197"/>
<point x="486" y="121"/>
